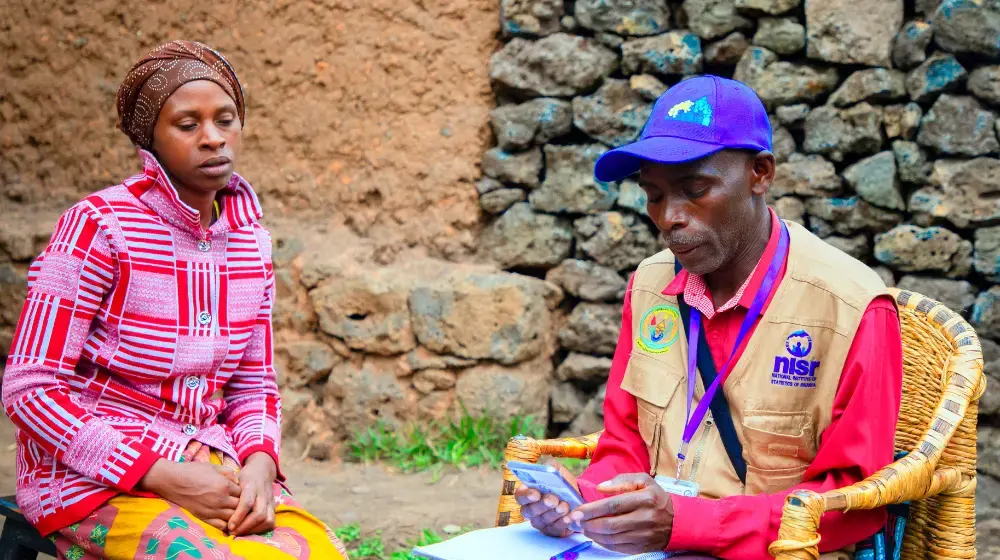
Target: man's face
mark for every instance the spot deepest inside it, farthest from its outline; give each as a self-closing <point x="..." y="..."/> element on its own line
<point x="198" y="136"/>
<point x="706" y="209"/>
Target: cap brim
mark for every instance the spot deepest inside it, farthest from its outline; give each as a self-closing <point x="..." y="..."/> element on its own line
<point x="619" y="163"/>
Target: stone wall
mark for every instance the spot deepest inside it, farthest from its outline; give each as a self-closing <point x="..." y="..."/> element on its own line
<point x="885" y="131"/>
<point x="407" y="343"/>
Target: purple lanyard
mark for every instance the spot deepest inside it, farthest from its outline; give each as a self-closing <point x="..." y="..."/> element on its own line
<point x="694" y="329"/>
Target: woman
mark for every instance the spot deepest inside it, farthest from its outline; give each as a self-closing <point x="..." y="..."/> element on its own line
<point x="140" y="377"/>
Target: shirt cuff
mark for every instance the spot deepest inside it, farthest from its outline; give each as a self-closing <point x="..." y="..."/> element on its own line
<point x="263" y="448"/>
<point x="137" y="470"/>
<point x="696" y="524"/>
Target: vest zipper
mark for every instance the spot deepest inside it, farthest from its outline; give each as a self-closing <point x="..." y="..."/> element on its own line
<point x="701" y="447"/>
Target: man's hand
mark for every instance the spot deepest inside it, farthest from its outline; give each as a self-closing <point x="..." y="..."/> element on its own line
<point x="546" y="513"/>
<point x="210" y="492"/>
<point x="255" y="514"/>
<point x="637" y="517"/>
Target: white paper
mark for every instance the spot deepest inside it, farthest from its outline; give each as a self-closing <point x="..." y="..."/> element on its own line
<point x="519" y="541"/>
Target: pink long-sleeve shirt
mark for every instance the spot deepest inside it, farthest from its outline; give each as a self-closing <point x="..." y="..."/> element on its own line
<point x="141" y="331"/>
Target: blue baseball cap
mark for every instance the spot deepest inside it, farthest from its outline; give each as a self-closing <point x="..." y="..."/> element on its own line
<point x="691" y="120"/>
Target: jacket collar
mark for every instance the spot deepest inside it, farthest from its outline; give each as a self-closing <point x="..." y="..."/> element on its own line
<point x="154" y="189"/>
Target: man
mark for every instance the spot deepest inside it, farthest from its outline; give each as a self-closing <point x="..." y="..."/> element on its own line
<point x="799" y="343"/>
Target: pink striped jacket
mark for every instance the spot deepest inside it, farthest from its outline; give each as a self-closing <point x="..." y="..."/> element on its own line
<point x="141" y="331"/>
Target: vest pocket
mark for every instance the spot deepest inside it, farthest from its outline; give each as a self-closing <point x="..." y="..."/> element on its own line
<point x="654" y="385"/>
<point x="778" y="440"/>
<point x="770" y="481"/>
<point x="649" y="424"/>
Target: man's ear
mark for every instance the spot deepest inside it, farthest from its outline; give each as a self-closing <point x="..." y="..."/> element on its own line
<point x="762" y="169"/>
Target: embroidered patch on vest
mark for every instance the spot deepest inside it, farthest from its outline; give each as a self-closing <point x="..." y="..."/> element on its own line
<point x="659" y="329"/>
<point x="796" y="369"/>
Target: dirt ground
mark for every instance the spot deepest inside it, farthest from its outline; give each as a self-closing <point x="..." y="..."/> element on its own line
<point x="398" y="505"/>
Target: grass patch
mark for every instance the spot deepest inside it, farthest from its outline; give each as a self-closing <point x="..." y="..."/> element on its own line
<point x="373" y="548"/>
<point x="466" y="442"/>
<point x="575" y="466"/>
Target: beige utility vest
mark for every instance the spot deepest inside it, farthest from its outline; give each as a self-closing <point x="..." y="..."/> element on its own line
<point x="782" y="388"/>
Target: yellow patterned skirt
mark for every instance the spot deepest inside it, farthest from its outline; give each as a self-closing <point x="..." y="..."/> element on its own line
<point x="130" y="527"/>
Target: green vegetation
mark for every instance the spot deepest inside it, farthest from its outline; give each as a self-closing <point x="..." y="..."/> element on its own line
<point x="467" y="442"/>
<point x="575" y="466"/>
<point x="373" y="548"/>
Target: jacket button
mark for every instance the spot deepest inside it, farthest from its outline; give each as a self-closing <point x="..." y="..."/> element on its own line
<point x="204" y="245"/>
<point x="193" y="382"/>
<point x="190" y="430"/>
<point x="204" y="318"/>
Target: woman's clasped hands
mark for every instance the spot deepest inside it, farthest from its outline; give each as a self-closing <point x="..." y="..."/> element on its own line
<point x="236" y="503"/>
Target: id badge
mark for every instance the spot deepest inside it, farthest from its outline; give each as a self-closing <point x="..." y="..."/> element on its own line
<point x="677" y="487"/>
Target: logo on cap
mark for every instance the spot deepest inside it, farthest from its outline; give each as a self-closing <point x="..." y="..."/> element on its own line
<point x="698" y="112"/>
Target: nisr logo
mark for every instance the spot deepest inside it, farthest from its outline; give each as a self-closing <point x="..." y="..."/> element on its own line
<point x="796" y="369"/>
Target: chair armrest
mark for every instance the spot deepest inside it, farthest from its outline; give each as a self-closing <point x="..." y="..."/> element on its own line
<point x="529" y="450"/>
<point x="911" y="478"/>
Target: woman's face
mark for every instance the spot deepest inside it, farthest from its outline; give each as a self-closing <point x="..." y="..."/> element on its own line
<point x="198" y="136"/>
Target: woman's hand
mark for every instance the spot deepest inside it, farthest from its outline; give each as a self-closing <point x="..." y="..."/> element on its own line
<point x="210" y="492"/>
<point x="255" y="513"/>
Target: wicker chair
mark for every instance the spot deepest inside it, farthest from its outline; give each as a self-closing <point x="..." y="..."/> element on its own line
<point x="942" y="382"/>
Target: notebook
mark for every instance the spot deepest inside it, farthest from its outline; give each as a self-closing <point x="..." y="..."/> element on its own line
<point x="520" y="541"/>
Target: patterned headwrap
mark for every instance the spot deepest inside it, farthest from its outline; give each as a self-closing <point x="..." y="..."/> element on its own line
<point x="158" y="75"/>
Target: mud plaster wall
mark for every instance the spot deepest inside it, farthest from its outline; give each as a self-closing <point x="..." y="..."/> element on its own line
<point x="365" y="117"/>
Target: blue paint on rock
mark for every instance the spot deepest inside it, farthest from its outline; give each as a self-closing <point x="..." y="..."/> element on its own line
<point x="983" y="121"/>
<point x="983" y="307"/>
<point x="942" y="73"/>
<point x="948" y="7"/>
<point x="693" y="43"/>
<point x="923" y="199"/>
<point x="548" y="114"/>
<point x="844" y="202"/>
<point x="927" y="234"/>
<point x="679" y="53"/>
<point x="661" y="60"/>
